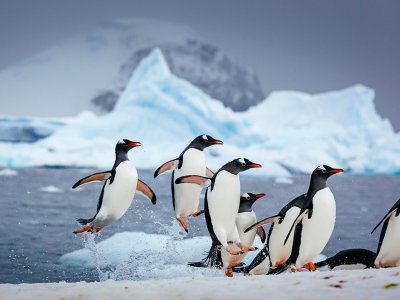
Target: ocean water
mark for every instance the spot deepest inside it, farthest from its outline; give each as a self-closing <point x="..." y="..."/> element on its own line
<point x="38" y="209"/>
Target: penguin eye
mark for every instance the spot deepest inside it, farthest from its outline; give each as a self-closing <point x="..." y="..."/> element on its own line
<point x="323" y="170"/>
<point x="243" y="164"/>
<point x="248" y="198"/>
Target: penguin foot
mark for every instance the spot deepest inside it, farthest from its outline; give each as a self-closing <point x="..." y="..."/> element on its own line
<point x="245" y="248"/>
<point x="310" y="267"/>
<point x="183" y="223"/>
<point x="83" y="229"/>
<point x="279" y="262"/>
<point x="229" y="272"/>
<point x="378" y="266"/>
<point x="88" y="228"/>
<point x="233" y="252"/>
<point x="197" y="213"/>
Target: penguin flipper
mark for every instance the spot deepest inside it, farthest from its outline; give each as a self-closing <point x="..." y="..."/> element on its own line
<point x="263" y="222"/>
<point x="168" y="166"/>
<point x="143" y="189"/>
<point x="261" y="233"/>
<point x="296" y="221"/>
<point x="196" y="179"/>
<point x="100" y="176"/>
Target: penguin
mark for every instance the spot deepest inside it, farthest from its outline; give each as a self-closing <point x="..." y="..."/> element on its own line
<point x="350" y="259"/>
<point x="185" y="197"/>
<point x="275" y="252"/>
<point x="244" y="218"/>
<point x="315" y="222"/>
<point x="222" y="202"/>
<point x="388" y="253"/>
<point x="121" y="183"/>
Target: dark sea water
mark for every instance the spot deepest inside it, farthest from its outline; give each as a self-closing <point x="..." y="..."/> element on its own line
<point x="36" y="226"/>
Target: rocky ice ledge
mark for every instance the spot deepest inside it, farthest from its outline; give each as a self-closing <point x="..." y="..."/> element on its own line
<point x="289" y="132"/>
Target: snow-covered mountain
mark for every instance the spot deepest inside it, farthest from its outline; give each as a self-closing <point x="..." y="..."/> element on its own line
<point x="287" y="132"/>
<point x="94" y="68"/>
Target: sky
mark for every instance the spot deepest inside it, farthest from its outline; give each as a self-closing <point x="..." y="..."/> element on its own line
<point x="311" y="45"/>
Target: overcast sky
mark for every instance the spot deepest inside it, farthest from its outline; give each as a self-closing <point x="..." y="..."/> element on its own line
<point x="311" y="46"/>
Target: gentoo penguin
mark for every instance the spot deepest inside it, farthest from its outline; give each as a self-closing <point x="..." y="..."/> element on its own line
<point x="388" y="254"/>
<point x="244" y="218"/>
<point x="185" y="197"/>
<point x="315" y="222"/>
<point x="351" y="259"/>
<point x="222" y="202"/>
<point x="121" y="183"/>
<point x="275" y="252"/>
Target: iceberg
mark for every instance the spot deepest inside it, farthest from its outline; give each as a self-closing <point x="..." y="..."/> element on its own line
<point x="289" y="132"/>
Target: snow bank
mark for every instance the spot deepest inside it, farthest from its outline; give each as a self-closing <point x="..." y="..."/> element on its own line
<point x="8" y="172"/>
<point x="363" y="284"/>
<point x="288" y="132"/>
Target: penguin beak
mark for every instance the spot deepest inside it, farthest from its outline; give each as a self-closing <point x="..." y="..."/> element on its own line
<point x="216" y="142"/>
<point x="336" y="171"/>
<point x="258" y="196"/>
<point x="133" y="144"/>
<point x="254" y="165"/>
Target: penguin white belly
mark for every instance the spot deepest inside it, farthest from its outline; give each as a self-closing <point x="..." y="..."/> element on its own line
<point x="243" y="221"/>
<point x="349" y="267"/>
<point x="187" y="195"/>
<point x="317" y="230"/>
<point x="117" y="196"/>
<point x="389" y="254"/>
<point x="223" y="204"/>
<point x="277" y="250"/>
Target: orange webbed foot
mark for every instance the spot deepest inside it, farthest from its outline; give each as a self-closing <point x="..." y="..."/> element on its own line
<point x="310" y="266"/>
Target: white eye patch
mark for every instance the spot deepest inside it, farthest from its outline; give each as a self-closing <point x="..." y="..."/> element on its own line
<point x="322" y="168"/>
<point x="204" y="137"/>
<point x="121" y="142"/>
<point x="246" y="195"/>
<point x="241" y="160"/>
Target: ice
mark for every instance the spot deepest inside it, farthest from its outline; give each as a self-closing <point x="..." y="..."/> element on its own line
<point x="8" y="172"/>
<point x="289" y="132"/>
<point x="51" y="189"/>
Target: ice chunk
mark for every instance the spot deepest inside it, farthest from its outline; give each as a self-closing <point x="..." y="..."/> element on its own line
<point x="51" y="189"/>
<point x="8" y="172"/>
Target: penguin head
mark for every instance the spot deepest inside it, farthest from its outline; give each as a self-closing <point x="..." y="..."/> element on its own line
<point x="325" y="171"/>
<point x="125" y="145"/>
<point x="247" y="200"/>
<point x="239" y="165"/>
<point x="203" y="141"/>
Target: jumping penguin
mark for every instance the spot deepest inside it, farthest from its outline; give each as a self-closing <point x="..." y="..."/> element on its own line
<point x="244" y="218"/>
<point x="121" y="183"/>
<point x="185" y="197"/>
<point x="351" y="259"/>
<point x="388" y="253"/>
<point x="275" y="252"/>
<point x="222" y="201"/>
<point x="315" y="222"/>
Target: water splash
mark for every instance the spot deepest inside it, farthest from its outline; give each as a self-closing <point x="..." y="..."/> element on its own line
<point x="89" y="243"/>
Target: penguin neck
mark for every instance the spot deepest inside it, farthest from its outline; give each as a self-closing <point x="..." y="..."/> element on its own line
<point x="120" y="156"/>
<point x="245" y="206"/>
<point x="317" y="183"/>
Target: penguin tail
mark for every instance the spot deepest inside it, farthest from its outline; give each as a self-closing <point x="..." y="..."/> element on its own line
<point x="84" y="221"/>
<point x="212" y="260"/>
<point x="278" y="270"/>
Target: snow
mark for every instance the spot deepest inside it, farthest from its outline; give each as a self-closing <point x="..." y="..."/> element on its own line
<point x="51" y="189"/>
<point x="289" y="132"/>
<point x="363" y="284"/>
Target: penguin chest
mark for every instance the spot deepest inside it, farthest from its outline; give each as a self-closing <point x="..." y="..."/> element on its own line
<point x="245" y="220"/>
<point x="223" y="203"/>
<point x="118" y="195"/>
<point x="318" y="229"/>
<point x="186" y="196"/>
<point x="277" y="250"/>
<point x="389" y="253"/>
